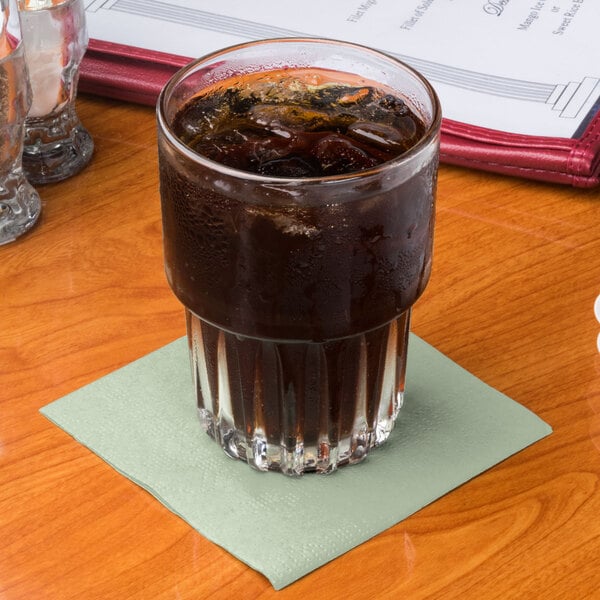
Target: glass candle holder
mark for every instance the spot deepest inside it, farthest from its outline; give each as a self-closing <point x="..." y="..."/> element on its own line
<point x="19" y="203"/>
<point x="56" y="144"/>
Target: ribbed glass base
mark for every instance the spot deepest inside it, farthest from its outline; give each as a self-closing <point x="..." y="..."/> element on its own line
<point x="297" y="407"/>
<point x="20" y="207"/>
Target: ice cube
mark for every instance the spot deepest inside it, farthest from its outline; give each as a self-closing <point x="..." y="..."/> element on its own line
<point x="338" y="154"/>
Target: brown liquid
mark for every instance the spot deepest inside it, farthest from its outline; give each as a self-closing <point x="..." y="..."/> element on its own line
<point x="310" y="130"/>
<point x="262" y="269"/>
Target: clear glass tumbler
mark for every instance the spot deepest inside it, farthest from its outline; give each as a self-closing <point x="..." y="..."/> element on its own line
<point x="298" y="289"/>
<point x="56" y="144"/>
<point x="20" y="205"/>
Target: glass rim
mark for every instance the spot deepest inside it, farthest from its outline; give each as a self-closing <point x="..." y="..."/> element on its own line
<point x="428" y="137"/>
<point x="41" y="5"/>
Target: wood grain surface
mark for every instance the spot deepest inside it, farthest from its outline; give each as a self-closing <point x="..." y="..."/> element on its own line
<point x="516" y="272"/>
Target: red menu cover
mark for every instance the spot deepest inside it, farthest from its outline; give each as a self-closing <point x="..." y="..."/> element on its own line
<point x="137" y="75"/>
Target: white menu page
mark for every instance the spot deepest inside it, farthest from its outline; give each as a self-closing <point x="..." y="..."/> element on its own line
<point x="521" y="66"/>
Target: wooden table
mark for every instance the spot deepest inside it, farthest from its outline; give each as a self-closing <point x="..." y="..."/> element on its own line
<point x="517" y="269"/>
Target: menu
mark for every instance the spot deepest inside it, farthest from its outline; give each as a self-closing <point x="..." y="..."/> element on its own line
<point x="523" y="67"/>
<point x="518" y="67"/>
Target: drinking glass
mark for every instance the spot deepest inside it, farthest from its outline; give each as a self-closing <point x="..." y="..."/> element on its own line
<point x="20" y="204"/>
<point x="56" y="144"/>
<point x="298" y="289"/>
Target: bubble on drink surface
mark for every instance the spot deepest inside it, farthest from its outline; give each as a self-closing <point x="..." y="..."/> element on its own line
<point x="278" y="118"/>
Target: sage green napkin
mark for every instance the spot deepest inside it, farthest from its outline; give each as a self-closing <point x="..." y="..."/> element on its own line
<point x="142" y="420"/>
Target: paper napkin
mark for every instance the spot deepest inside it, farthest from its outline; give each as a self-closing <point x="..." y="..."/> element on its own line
<point x="142" y="420"/>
